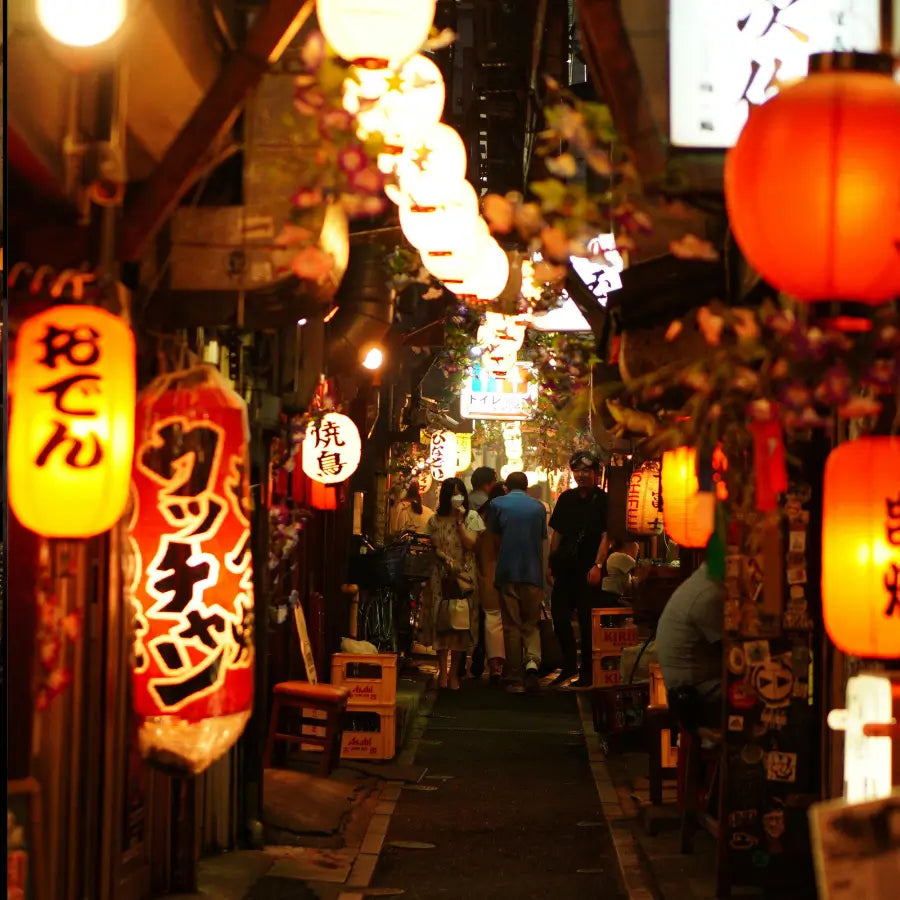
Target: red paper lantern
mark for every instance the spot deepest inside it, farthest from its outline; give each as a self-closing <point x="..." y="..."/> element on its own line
<point x="813" y="186"/>
<point x="688" y="513"/>
<point x="71" y="421"/>
<point x="861" y="547"/>
<point x="191" y="572"/>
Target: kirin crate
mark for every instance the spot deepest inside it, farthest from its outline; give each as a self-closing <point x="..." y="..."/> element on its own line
<point x="605" y="669"/>
<point x="371" y="677"/>
<point x="613" y="628"/>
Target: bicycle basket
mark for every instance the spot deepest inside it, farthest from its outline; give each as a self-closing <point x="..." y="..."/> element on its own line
<point x="419" y="562"/>
<point x="389" y="566"/>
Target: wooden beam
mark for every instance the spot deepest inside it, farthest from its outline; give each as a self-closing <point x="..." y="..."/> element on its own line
<point x="177" y="170"/>
<point x="614" y="70"/>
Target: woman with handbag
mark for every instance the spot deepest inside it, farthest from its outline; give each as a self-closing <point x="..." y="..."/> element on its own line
<point x="454" y="532"/>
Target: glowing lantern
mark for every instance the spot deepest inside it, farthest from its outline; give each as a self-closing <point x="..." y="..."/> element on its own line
<point x="81" y="23"/>
<point x="189" y="570"/>
<point x="813" y="186"/>
<point x="463" y="257"/>
<point x="463" y="452"/>
<point x="430" y="168"/>
<point x="488" y="280"/>
<point x="861" y="547"/>
<point x="642" y="514"/>
<point x="375" y="33"/>
<point x="688" y="512"/>
<point x="438" y="227"/>
<point x="500" y="338"/>
<point x="71" y="426"/>
<point x="332" y="449"/>
<point x="442" y="455"/>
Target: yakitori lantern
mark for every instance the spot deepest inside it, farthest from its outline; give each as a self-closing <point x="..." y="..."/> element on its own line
<point x="688" y="513"/>
<point x="189" y="571"/>
<point x="861" y="547"/>
<point x="331" y="449"/>
<point x="642" y="513"/>
<point x="813" y="185"/>
<point x="375" y="33"/>
<point x="71" y="426"/>
<point x="442" y="455"/>
<point x="439" y="227"/>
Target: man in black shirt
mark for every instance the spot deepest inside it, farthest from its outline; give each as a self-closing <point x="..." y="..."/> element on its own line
<point x="579" y="542"/>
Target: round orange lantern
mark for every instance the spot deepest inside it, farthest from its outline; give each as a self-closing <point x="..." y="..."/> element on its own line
<point x="861" y="547"/>
<point x="189" y="571"/>
<point x="642" y="515"/>
<point x="688" y="513"/>
<point x="71" y="422"/>
<point x="813" y="185"/>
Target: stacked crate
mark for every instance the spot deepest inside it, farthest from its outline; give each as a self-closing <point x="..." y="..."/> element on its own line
<point x="659" y="700"/>
<point x="613" y="628"/>
<point x="371" y="718"/>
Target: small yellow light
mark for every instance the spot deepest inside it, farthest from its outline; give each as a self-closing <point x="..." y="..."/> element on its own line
<point x="81" y="23"/>
<point x="373" y="359"/>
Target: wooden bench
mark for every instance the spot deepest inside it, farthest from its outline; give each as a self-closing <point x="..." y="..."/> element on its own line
<point x="300" y="696"/>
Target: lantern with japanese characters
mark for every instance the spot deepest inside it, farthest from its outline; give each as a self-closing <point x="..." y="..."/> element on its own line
<point x="642" y="513"/>
<point x="71" y="423"/>
<point x="442" y="455"/>
<point x="189" y="571"/>
<point x="332" y="449"/>
<point x="688" y="513"/>
<point x="861" y="547"/>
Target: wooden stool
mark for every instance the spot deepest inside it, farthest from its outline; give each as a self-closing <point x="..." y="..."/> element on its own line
<point x="657" y="720"/>
<point x="300" y="695"/>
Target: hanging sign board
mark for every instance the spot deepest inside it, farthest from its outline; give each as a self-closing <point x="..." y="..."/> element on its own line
<point x="484" y="396"/>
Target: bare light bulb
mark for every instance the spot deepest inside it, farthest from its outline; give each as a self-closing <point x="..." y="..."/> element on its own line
<point x="81" y="23"/>
<point x="373" y="359"/>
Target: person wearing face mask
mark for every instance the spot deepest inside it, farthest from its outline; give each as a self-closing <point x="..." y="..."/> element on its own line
<point x="454" y="532"/>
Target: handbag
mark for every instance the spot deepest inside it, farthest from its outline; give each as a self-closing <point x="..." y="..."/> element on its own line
<point x="459" y="614"/>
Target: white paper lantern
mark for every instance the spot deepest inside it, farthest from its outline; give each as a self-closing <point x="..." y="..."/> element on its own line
<point x="375" y="33"/>
<point x="442" y="455"/>
<point x="81" y="23"/>
<point x="463" y="257"/>
<point x="432" y="163"/>
<point x="434" y="228"/>
<point x="331" y="449"/>
<point x="488" y="280"/>
<point x="642" y="514"/>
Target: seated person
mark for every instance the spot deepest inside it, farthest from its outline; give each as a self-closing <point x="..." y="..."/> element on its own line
<point x="689" y="649"/>
<point x="617" y="574"/>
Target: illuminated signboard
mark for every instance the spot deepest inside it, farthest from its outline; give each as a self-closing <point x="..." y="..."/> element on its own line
<point x="485" y="396"/>
<point x="725" y="55"/>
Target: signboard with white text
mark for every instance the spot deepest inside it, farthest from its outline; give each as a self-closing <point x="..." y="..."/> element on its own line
<point x="485" y="396"/>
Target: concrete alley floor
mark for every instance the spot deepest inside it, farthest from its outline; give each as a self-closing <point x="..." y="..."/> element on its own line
<point x="508" y="808"/>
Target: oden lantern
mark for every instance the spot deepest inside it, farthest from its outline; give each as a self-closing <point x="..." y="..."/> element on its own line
<point x="188" y="570"/>
<point x="71" y="426"/>
<point x="813" y="186"/>
<point x="861" y="547"/>
<point x="642" y="514"/>
<point x="688" y="512"/>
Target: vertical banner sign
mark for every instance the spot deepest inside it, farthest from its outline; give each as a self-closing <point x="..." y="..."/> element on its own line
<point x="71" y="421"/>
<point x="189" y="570"/>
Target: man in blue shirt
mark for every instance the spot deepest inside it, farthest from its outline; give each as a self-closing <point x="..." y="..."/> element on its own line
<point x="521" y="522"/>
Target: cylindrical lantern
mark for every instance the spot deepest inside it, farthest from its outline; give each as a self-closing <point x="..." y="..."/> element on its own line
<point x="375" y="33"/>
<point x="861" y="547"/>
<point x="813" y="187"/>
<point x="642" y="513"/>
<point x="688" y="513"/>
<point x="332" y="449"/>
<point x="189" y="571"/>
<point x="430" y="167"/>
<point x="463" y="254"/>
<point x="442" y="455"/>
<point x="437" y="228"/>
<point x="488" y="279"/>
<point x="71" y="426"/>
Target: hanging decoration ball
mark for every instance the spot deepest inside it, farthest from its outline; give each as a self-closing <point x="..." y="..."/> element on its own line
<point x="463" y="257"/>
<point x="71" y="425"/>
<point x="375" y="33"/>
<point x="433" y="162"/>
<point x="861" y="547"/>
<point x="398" y="102"/>
<point x="813" y="185"/>
<point x="332" y="449"/>
<point x="442" y="455"/>
<point x="188" y="570"/>
<point x="81" y="24"/>
<point x="642" y="513"/>
<point x="488" y="280"/>
<point x="437" y="227"/>
<point x="688" y="512"/>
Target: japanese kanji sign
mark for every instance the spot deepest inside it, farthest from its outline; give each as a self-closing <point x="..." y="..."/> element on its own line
<point x="331" y="449"/>
<point x="71" y="426"/>
<point x="484" y="396"/>
<point x="442" y="455"/>
<point x="189" y="571"/>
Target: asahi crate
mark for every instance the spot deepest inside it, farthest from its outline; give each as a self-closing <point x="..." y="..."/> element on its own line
<point x="370" y="733"/>
<point x="612" y="629"/>
<point x="606" y="668"/>
<point x="370" y="677"/>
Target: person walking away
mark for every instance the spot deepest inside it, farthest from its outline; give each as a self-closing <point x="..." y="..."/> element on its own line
<point x="579" y="543"/>
<point x="410" y="514"/>
<point x="490" y="643"/>
<point x="484" y="480"/>
<point x="454" y="530"/>
<point x="521" y="522"/>
<point x="618" y="573"/>
<point x="689" y="648"/>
